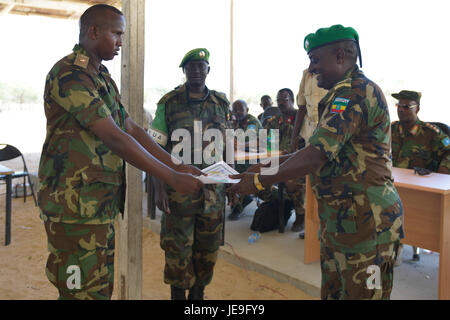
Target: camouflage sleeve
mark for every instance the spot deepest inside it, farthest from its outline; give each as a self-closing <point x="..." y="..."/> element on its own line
<point x="337" y="127"/>
<point x="444" y="150"/>
<point x="76" y="92"/>
<point x="158" y="129"/>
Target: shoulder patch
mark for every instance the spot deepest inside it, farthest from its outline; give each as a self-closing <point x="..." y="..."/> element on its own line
<point x="178" y="90"/>
<point x="222" y="96"/>
<point x="339" y="105"/>
<point x="429" y="125"/>
<point x="446" y="141"/>
<point x="81" y="60"/>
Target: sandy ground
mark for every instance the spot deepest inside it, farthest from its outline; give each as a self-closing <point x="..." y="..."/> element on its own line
<point x="22" y="266"/>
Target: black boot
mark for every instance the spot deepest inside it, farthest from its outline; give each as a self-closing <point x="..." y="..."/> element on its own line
<point x="196" y="293"/>
<point x="235" y="213"/>
<point x="177" y="293"/>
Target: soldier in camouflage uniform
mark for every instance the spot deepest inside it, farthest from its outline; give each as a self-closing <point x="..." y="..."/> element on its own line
<point x="191" y="226"/>
<point x="295" y="189"/>
<point x="417" y="144"/>
<point x="81" y="175"/>
<point x="241" y="119"/>
<point x="349" y="162"/>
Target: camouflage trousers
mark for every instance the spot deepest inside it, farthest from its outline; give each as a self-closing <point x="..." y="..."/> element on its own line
<point x="191" y="244"/>
<point x="349" y="276"/>
<point x="81" y="260"/>
<point x="295" y="191"/>
<point x="243" y="201"/>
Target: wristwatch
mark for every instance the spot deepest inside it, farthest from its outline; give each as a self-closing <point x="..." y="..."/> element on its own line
<point x="258" y="184"/>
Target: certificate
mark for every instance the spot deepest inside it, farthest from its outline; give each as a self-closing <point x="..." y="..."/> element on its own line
<point x="218" y="173"/>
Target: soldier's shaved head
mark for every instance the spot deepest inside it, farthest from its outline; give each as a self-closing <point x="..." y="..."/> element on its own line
<point x="98" y="15"/>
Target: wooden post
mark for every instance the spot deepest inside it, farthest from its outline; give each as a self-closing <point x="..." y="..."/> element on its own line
<point x="132" y="91"/>
<point x="231" y="51"/>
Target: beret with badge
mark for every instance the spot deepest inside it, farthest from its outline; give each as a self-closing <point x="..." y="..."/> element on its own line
<point x="409" y="95"/>
<point x="325" y="36"/>
<point x="195" y="54"/>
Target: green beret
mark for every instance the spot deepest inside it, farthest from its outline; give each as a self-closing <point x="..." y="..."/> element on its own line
<point x="195" y="54"/>
<point x="409" y="95"/>
<point x="325" y="36"/>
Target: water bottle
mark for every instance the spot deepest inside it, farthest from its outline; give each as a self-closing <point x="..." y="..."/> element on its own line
<point x="254" y="237"/>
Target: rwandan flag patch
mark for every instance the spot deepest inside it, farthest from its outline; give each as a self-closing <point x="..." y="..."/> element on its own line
<point x="339" y="105"/>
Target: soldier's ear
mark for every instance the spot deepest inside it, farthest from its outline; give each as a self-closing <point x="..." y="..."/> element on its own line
<point x="93" y="33"/>
<point x="209" y="68"/>
<point x="340" y="55"/>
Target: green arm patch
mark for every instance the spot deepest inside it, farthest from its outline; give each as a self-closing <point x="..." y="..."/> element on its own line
<point x="158" y="129"/>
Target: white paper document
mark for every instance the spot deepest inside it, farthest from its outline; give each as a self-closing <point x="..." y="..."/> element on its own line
<point x="218" y="173"/>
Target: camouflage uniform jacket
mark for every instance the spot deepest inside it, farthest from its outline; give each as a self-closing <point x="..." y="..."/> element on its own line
<point x="285" y="123"/>
<point x="424" y="146"/>
<point x="250" y="123"/>
<point x="176" y="110"/>
<point x="359" y="206"/>
<point x="80" y="178"/>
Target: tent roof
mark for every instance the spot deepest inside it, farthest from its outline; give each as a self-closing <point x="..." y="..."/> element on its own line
<point x="70" y="9"/>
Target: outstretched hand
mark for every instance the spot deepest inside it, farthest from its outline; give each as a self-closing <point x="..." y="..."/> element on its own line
<point x="256" y="168"/>
<point x="185" y="168"/>
<point x="245" y="186"/>
<point x="186" y="183"/>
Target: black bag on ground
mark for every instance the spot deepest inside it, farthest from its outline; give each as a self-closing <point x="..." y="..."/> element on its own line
<point x="266" y="216"/>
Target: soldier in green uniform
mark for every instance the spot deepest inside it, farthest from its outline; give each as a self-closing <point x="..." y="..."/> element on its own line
<point x="81" y="175"/>
<point x="295" y="189"/>
<point x="191" y="226"/>
<point x="349" y="163"/>
<point x="241" y="119"/>
<point x="266" y="102"/>
<point x="417" y="144"/>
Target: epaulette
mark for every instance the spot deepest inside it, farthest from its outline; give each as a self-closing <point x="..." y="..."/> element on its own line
<point x="81" y="60"/>
<point x="429" y="125"/>
<point x="175" y="92"/>
<point x="222" y="96"/>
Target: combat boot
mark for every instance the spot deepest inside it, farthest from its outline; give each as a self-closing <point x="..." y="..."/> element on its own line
<point x="177" y="293"/>
<point x="196" y="293"/>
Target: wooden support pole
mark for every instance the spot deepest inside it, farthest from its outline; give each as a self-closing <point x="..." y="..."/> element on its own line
<point x="132" y="91"/>
<point x="231" y="51"/>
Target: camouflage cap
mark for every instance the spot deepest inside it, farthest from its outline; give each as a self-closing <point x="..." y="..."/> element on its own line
<point x="407" y="94"/>
<point x="195" y="54"/>
<point x="325" y="36"/>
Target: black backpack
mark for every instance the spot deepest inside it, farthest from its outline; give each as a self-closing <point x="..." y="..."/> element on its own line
<point x="266" y="216"/>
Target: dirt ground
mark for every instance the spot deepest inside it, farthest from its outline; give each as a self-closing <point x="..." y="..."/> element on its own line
<point x="22" y="266"/>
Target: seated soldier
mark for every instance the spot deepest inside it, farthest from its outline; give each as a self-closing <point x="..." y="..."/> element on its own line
<point x="284" y="122"/>
<point x="266" y="102"/>
<point x="417" y="144"/>
<point x="241" y="119"/>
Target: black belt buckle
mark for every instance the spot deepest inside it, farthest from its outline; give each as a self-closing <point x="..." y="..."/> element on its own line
<point x="422" y="171"/>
